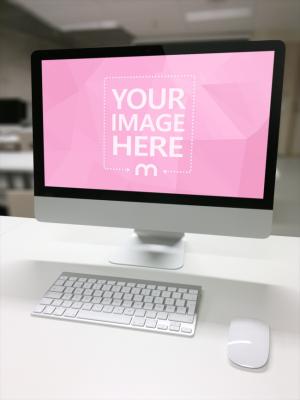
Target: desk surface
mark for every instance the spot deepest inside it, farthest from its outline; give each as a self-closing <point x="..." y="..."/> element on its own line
<point x="47" y="359"/>
<point x="16" y="161"/>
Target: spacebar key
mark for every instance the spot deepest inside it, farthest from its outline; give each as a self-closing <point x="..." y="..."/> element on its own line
<point x="104" y="317"/>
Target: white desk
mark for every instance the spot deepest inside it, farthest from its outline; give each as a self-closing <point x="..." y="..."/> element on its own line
<point x="46" y="359"/>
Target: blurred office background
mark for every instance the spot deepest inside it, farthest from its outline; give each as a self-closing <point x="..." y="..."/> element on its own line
<point x="28" y="25"/>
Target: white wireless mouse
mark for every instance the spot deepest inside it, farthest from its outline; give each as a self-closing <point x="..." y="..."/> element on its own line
<point x="248" y="343"/>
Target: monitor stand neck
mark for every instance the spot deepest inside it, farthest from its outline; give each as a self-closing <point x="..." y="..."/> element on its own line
<point x="151" y="249"/>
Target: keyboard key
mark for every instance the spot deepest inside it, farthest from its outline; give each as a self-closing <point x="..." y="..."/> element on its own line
<point x="116" y="288"/>
<point x="161" y="288"/>
<point x="67" y="304"/>
<point x="96" y="300"/>
<point x="151" y="323"/>
<point x="182" y="290"/>
<point x="165" y="293"/>
<point x="181" y="310"/>
<point x="158" y="300"/>
<point x="77" y="304"/>
<point x="129" y="311"/>
<point x="77" y="284"/>
<point x="170" y="309"/>
<point x="155" y="293"/>
<point x="138" y="297"/>
<point x="111" y="282"/>
<point x="162" y="326"/>
<point x="151" y="287"/>
<point x="169" y="302"/>
<point x="39" y="308"/>
<point x="193" y="291"/>
<point x="106" y="288"/>
<point x="107" y="294"/>
<point x="176" y="295"/>
<point x="72" y="278"/>
<point x="117" y="295"/>
<point x="137" y="304"/>
<point x="49" y="309"/>
<point x="135" y="290"/>
<point x="96" y="286"/>
<point x="174" y="328"/>
<point x="86" y="299"/>
<point x="77" y="297"/>
<point x="179" y="303"/>
<point x="54" y="295"/>
<point x="189" y="296"/>
<point x="88" y="306"/>
<point x="57" y="288"/>
<point x="128" y="296"/>
<point x="171" y="289"/>
<point x="151" y="314"/>
<point x="125" y="289"/>
<point x="141" y="285"/>
<point x="87" y="285"/>
<point x="78" y="291"/>
<point x="60" y="282"/>
<point x="127" y="303"/>
<point x="184" y="329"/>
<point x="108" y="309"/>
<point x="148" y="299"/>
<point x="162" y="315"/>
<point x="91" y="280"/>
<point x="148" y="306"/>
<point x="104" y="317"/>
<point x="106" y="301"/>
<point x="68" y="283"/>
<point x="140" y="313"/>
<point x="70" y="312"/>
<point x="145" y="292"/>
<point x="46" y="301"/>
<point x="98" y="293"/>
<point x="67" y="296"/>
<point x="138" y="321"/>
<point x="57" y="303"/>
<point x="181" y="317"/>
<point x="116" y="302"/>
<point x="96" y="307"/>
<point x="69" y="290"/>
<point x="59" y="311"/>
<point x="118" y="310"/>
<point x="82" y="279"/>
<point x="158" y="307"/>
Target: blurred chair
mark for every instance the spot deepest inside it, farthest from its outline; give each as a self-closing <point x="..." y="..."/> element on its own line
<point x="20" y="203"/>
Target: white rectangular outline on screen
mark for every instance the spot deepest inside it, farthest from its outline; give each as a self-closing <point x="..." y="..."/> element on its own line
<point x="170" y="76"/>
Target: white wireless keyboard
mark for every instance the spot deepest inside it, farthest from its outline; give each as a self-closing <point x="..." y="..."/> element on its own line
<point x="151" y="306"/>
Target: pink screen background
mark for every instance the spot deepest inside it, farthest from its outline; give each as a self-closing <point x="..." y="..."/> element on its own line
<point x="226" y="118"/>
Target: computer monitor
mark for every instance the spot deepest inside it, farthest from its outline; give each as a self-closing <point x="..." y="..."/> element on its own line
<point x="164" y="139"/>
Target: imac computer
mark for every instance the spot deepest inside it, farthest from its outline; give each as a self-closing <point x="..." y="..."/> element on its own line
<point x="163" y="139"/>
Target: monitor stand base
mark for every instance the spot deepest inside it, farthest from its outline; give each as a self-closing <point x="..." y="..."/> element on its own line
<point x="152" y="249"/>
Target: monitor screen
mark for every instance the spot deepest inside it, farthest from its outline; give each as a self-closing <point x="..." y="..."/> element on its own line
<point x="186" y="124"/>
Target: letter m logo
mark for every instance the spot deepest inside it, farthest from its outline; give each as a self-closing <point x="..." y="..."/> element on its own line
<point x="146" y="168"/>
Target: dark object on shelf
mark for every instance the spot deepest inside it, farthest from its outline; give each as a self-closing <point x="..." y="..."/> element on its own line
<point x="12" y="111"/>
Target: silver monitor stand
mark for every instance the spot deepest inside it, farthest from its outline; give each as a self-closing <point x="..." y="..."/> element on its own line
<point x="152" y="249"/>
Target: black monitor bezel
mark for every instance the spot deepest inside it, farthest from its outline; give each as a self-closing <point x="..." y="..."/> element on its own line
<point x="164" y="49"/>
